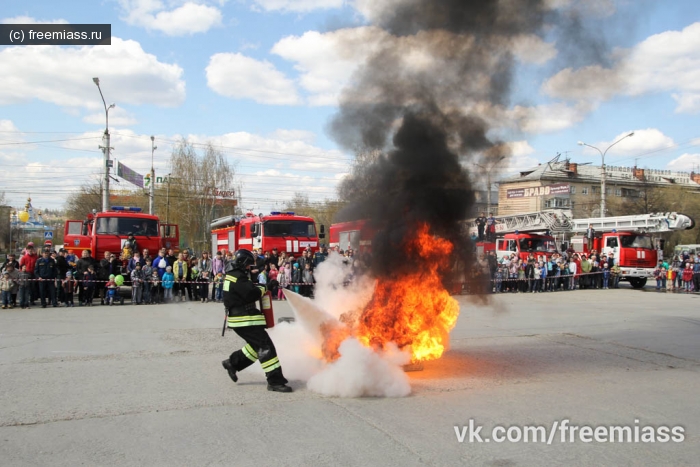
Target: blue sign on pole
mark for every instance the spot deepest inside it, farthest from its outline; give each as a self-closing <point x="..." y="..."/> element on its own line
<point x="48" y="235"/>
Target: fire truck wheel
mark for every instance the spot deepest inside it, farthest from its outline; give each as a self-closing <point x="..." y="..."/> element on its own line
<point x="638" y="283"/>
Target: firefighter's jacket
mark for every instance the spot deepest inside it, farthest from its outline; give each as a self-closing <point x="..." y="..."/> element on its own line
<point x="240" y="296"/>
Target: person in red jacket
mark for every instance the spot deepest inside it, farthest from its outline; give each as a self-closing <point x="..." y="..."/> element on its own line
<point x="29" y="259"/>
<point x="688" y="277"/>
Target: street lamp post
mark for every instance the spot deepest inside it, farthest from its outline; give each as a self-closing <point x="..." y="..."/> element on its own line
<point x="12" y="216"/>
<point x="106" y="149"/>
<point x="602" y="176"/>
<point x="488" y="180"/>
<point x="152" y="195"/>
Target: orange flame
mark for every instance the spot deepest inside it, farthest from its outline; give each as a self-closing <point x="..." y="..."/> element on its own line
<point x="412" y="308"/>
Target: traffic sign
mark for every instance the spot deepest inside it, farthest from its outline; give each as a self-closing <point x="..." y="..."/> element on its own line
<point x="48" y="234"/>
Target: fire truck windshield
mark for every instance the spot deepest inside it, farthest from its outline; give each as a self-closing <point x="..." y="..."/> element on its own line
<point x="636" y="241"/>
<point x="537" y="244"/>
<point x="289" y="228"/>
<point x="126" y="226"/>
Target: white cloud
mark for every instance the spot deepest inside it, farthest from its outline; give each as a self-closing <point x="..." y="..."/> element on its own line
<point x="592" y="82"/>
<point x="685" y="162"/>
<point x="300" y="6"/>
<point x="547" y="118"/>
<point x="294" y="135"/>
<point x="666" y="62"/>
<point x="117" y="116"/>
<point x="30" y="20"/>
<point x="643" y="142"/>
<point x="326" y="62"/>
<point x="520" y="158"/>
<point x="63" y="76"/>
<point x="186" y="19"/>
<point x="238" y="76"/>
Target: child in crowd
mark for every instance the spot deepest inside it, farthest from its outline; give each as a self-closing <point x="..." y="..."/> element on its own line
<point x="127" y="254"/>
<point x="688" y="277"/>
<point x="6" y="285"/>
<point x="660" y="276"/>
<point x="218" y="287"/>
<point x="23" y="293"/>
<point x="606" y="275"/>
<point x="498" y="279"/>
<point x="168" y="282"/>
<point x="147" y="271"/>
<point x="111" y="287"/>
<point x="154" y="281"/>
<point x="90" y="279"/>
<point x="70" y="285"/>
<point x="136" y="284"/>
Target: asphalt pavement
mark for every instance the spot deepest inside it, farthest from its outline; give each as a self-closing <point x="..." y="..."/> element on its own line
<point x="143" y="385"/>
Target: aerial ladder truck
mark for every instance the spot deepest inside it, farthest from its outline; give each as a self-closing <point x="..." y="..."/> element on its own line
<point x="627" y="238"/>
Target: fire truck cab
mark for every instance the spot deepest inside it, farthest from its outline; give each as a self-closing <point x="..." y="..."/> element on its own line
<point x="634" y="252"/>
<point x="109" y="230"/>
<point x="282" y="230"/>
<point x="524" y="244"/>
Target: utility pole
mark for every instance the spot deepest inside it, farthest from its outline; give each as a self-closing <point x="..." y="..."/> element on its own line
<point x="602" y="167"/>
<point x="488" y="181"/>
<point x="167" y="207"/>
<point x="106" y="149"/>
<point x="152" y="196"/>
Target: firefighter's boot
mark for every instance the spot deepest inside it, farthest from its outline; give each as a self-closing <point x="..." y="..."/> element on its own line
<point x="279" y="388"/>
<point x="231" y="372"/>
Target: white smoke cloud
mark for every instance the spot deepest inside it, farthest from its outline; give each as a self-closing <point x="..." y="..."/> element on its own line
<point x="359" y="371"/>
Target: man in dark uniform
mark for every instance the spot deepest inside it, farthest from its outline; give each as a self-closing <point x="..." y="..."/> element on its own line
<point x="46" y="271"/>
<point x="481" y="225"/>
<point x="240" y="296"/>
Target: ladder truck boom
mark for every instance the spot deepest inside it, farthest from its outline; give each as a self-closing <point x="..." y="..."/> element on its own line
<point x="554" y="220"/>
<point x="651" y="223"/>
<point x="559" y="221"/>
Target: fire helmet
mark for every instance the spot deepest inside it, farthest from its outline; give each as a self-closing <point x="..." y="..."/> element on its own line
<point x="241" y="260"/>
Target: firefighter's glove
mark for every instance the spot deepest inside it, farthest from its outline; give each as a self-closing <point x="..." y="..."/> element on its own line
<point x="262" y="289"/>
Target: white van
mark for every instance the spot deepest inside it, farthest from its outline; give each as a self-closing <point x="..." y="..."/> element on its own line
<point x="689" y="249"/>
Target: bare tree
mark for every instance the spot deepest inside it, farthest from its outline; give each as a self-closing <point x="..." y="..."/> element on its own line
<point x="323" y="212"/>
<point x="196" y="187"/>
<point x="83" y="201"/>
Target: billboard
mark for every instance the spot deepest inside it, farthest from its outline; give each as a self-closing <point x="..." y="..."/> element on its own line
<point x="533" y="192"/>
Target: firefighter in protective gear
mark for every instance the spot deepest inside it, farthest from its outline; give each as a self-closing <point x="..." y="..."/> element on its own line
<point x="240" y="295"/>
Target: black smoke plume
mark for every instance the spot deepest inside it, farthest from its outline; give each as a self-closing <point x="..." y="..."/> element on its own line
<point x="419" y="102"/>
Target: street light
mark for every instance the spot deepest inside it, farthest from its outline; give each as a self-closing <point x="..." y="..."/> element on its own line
<point x="152" y="195"/>
<point x="105" y="192"/>
<point x="602" y="177"/>
<point x="488" y="180"/>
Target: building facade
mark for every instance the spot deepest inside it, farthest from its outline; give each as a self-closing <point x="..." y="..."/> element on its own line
<point x="562" y="184"/>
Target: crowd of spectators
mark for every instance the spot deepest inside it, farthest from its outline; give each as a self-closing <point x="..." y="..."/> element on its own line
<point x="59" y="278"/>
<point x="571" y="271"/>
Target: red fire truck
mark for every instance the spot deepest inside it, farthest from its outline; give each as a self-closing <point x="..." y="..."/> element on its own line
<point x="354" y="235"/>
<point x="107" y="231"/>
<point x="282" y="230"/>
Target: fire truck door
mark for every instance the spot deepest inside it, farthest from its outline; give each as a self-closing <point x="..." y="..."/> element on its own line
<point x="612" y="245"/>
<point x="258" y="240"/>
<point x="231" y="246"/>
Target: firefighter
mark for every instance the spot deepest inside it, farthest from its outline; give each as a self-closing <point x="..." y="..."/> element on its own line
<point x="240" y="296"/>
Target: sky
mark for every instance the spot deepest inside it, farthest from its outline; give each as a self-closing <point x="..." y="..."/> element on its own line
<point x="260" y="80"/>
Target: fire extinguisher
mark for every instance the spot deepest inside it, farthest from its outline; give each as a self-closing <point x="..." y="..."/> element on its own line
<point x="266" y="308"/>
